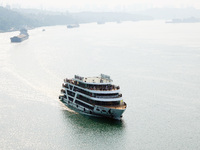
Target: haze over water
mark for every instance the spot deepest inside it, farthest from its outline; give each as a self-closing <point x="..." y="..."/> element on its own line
<point x="156" y="65"/>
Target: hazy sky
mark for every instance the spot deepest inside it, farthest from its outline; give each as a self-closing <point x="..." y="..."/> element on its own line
<point x="101" y="4"/>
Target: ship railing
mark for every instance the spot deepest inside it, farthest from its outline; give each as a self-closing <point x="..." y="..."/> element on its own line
<point x="117" y="96"/>
<point x="104" y="88"/>
<point x="93" y="87"/>
<point x="97" y="96"/>
<point x="69" y="80"/>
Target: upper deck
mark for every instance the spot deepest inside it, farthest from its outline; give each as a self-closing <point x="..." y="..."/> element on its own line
<point x="101" y="80"/>
<point x="102" y="84"/>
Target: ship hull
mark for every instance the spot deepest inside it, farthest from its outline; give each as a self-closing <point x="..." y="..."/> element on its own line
<point x="17" y="39"/>
<point x="96" y="111"/>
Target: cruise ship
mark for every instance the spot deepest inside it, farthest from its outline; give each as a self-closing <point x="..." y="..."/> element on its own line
<point x="94" y="96"/>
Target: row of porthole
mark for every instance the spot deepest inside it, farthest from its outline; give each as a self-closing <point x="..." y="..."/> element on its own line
<point x="84" y="108"/>
<point x="99" y="110"/>
<point x="90" y="111"/>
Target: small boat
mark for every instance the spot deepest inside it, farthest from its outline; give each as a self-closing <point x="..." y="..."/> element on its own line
<point x="21" y="37"/>
<point x="101" y="22"/>
<point x="94" y="96"/>
<point x="73" y="25"/>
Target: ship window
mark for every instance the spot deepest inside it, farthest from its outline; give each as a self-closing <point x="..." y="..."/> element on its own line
<point x="70" y="93"/>
<point x="70" y="87"/>
<point x="83" y="104"/>
<point x="71" y="99"/>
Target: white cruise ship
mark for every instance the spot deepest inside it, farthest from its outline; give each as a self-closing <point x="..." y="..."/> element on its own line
<point x="95" y="96"/>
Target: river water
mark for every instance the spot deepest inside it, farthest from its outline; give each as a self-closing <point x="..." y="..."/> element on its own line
<point x="157" y="66"/>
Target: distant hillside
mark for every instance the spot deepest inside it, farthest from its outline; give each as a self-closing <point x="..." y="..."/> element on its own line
<point x="47" y="18"/>
<point x="171" y="13"/>
<point x="16" y="19"/>
<point x="85" y="17"/>
<point x="11" y="20"/>
<point x="52" y="18"/>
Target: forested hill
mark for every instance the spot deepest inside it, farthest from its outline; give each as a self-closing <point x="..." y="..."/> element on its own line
<point x="11" y="20"/>
<point x="15" y="19"/>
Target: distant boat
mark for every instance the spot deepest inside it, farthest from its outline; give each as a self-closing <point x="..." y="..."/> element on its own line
<point x="118" y="21"/>
<point x="73" y="25"/>
<point x="21" y="37"/>
<point x="100" y="22"/>
<point x="185" y="20"/>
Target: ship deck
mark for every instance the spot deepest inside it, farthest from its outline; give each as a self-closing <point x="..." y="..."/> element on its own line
<point x="95" y="80"/>
<point x="116" y="107"/>
<point x="122" y="106"/>
<point x="94" y="87"/>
